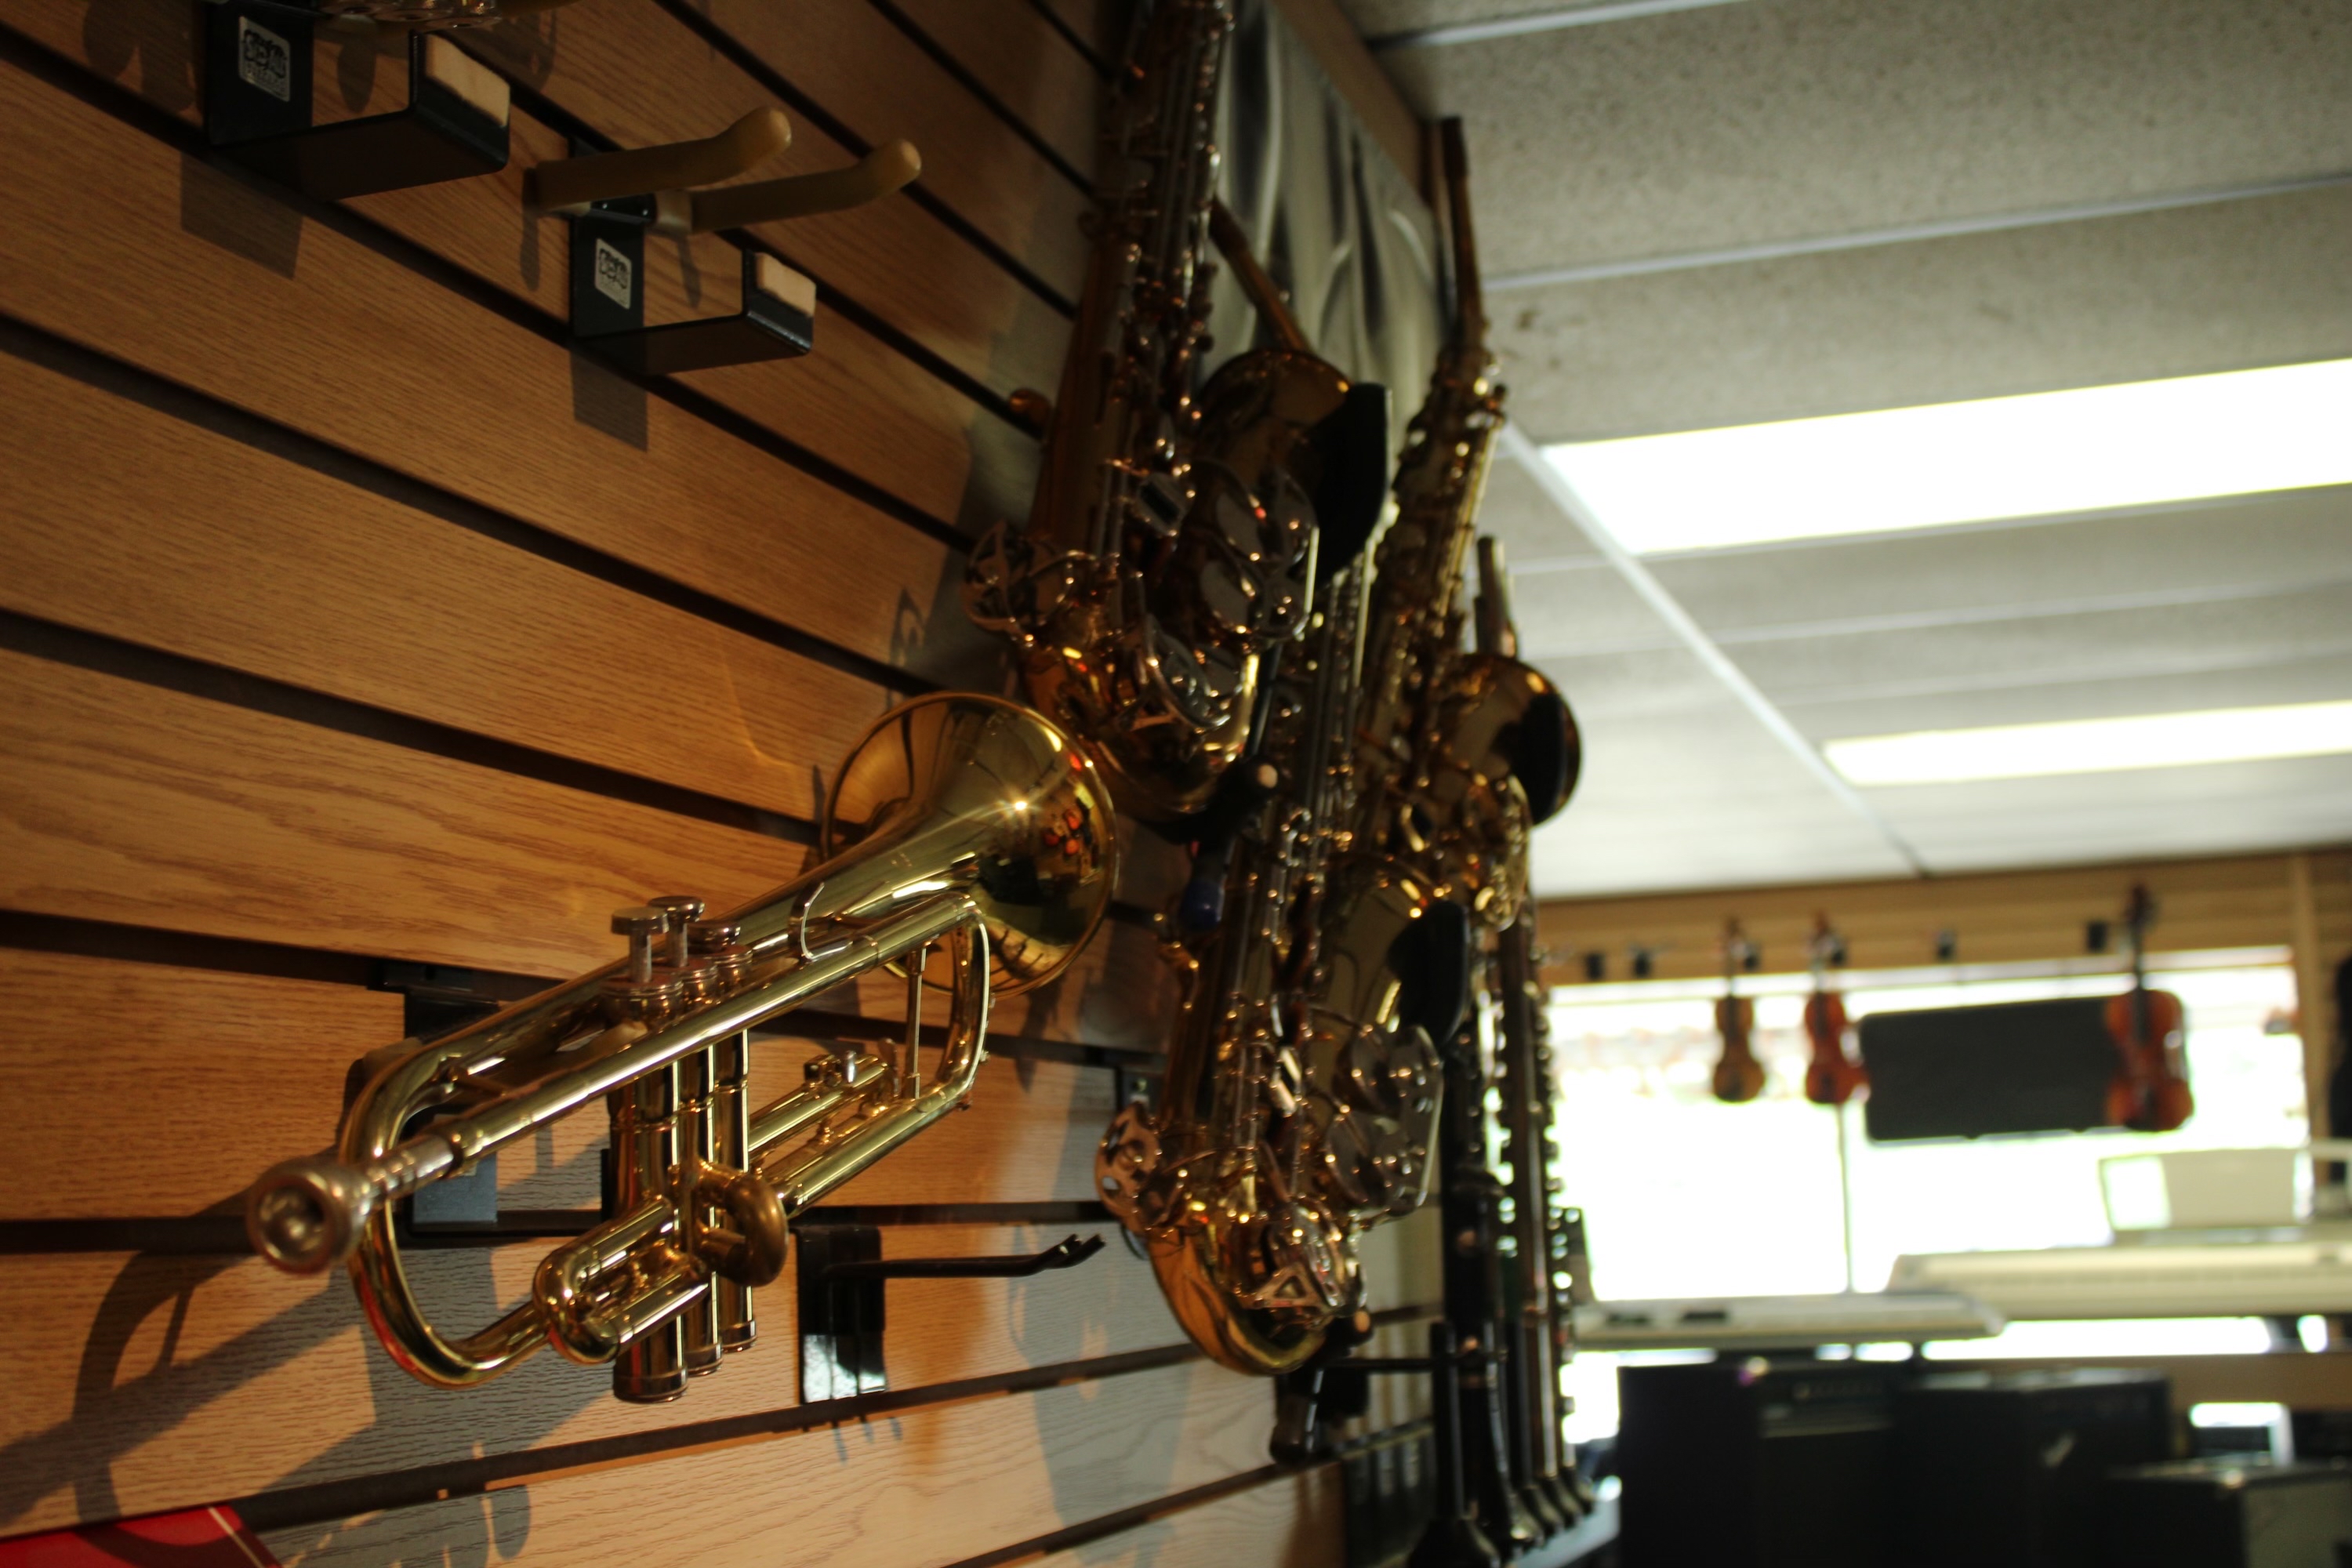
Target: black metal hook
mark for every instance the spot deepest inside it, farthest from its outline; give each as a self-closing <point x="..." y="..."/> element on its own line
<point x="1065" y="1253"/>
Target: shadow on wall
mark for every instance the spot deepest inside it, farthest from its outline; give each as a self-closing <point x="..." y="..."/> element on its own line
<point x="119" y="1410"/>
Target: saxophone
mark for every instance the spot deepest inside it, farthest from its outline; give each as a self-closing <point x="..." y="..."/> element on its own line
<point x="1398" y="781"/>
<point x="1177" y="536"/>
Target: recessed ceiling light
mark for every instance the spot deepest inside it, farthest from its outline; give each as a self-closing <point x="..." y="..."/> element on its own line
<point x="2095" y="745"/>
<point x="2093" y="449"/>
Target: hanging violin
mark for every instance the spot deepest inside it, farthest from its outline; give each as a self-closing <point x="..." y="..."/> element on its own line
<point x="2149" y="1092"/>
<point x="1830" y="1075"/>
<point x="1738" y="1076"/>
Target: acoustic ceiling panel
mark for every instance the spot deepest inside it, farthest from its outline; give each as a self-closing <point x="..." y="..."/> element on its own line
<point x="2180" y="292"/>
<point x="2222" y="808"/>
<point x="1785" y="119"/>
<point x="2219" y="549"/>
<point x="1698" y="796"/>
<point x="2098" y="645"/>
<point x="1769" y="123"/>
<point x="1932" y="705"/>
<point x="1585" y="611"/>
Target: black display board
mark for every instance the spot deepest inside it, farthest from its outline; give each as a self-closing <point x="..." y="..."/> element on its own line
<point x="1964" y="1072"/>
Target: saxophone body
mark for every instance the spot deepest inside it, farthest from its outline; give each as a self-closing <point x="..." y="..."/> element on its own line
<point x="1399" y="779"/>
<point x="1173" y="546"/>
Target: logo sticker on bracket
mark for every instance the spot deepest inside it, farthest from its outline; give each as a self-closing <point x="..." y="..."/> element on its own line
<point x="615" y="278"/>
<point x="263" y="61"/>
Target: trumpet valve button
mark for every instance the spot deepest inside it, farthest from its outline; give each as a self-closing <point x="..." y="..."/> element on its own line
<point x="640" y="923"/>
<point x="683" y="910"/>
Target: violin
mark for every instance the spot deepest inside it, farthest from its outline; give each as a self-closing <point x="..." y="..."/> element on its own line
<point x="2149" y="1093"/>
<point x="1830" y="1075"/>
<point x="1738" y="1076"/>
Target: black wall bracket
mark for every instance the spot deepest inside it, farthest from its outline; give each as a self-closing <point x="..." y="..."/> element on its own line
<point x="259" y="77"/>
<point x="841" y="1278"/>
<point x="777" y="318"/>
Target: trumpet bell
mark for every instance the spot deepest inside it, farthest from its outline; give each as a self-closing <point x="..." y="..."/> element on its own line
<point x="959" y="783"/>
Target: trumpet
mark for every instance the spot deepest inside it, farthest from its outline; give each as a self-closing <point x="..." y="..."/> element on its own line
<point x="967" y="845"/>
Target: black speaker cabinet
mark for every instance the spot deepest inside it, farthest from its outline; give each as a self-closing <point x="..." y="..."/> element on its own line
<point x="1755" y="1464"/>
<point x="2006" y="1467"/>
<point x="2213" y="1513"/>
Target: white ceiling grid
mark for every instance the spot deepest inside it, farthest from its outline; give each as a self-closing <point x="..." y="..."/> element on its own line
<point x="1652" y="139"/>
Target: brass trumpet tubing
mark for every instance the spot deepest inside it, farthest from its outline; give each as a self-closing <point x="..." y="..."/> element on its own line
<point x="382" y="1281"/>
<point x="728" y="1120"/>
<point x="803" y="1108"/>
<point x="416" y="1345"/>
<point x="650" y="1363"/>
<point x="698" y="1139"/>
<point x="960" y="822"/>
<point x="395" y="1171"/>
<point x="886" y="1120"/>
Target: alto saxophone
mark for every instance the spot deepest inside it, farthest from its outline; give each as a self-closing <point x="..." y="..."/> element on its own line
<point x="1401" y="776"/>
<point x="1173" y="545"/>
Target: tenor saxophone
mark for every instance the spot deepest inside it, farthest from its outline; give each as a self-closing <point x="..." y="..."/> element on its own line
<point x="1402" y="775"/>
<point x="1173" y="546"/>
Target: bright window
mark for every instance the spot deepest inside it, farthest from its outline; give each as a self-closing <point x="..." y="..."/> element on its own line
<point x="1686" y="1197"/>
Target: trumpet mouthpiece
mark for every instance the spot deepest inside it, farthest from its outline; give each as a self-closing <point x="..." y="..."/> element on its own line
<point x="304" y="1215"/>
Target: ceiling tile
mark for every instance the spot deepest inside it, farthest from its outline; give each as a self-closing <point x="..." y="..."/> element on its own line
<point x="2279" y="628"/>
<point x="2328" y="679"/>
<point x="1377" y="18"/>
<point x="2211" y="549"/>
<point x="1699" y="795"/>
<point x="2224" y="808"/>
<point x="2181" y="292"/>
<point x="1636" y="685"/>
<point x="1589" y="611"/>
<point x="1778" y="118"/>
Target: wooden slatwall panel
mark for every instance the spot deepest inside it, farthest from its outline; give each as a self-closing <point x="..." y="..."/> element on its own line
<point x="351" y="615"/>
<point x="1276" y="1522"/>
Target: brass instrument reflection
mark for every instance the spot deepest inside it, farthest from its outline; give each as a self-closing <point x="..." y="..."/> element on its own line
<point x="1382" y="844"/>
<point x="968" y="845"/>
<point x="1178" y="535"/>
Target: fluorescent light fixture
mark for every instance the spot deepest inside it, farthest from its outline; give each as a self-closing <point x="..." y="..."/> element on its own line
<point x="2097" y="448"/>
<point x="2094" y="745"/>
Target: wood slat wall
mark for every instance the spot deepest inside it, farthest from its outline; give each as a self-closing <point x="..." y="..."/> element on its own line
<point x="351" y="617"/>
